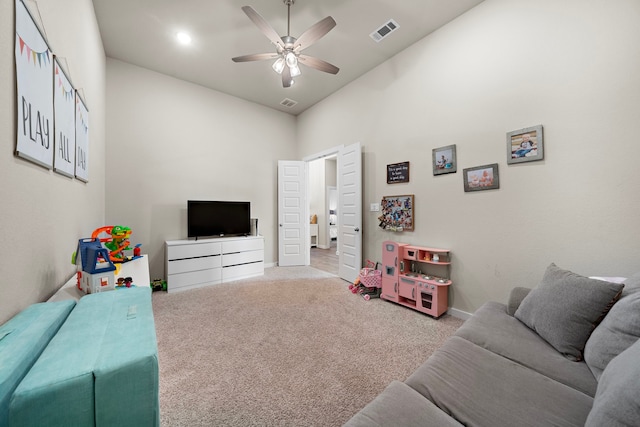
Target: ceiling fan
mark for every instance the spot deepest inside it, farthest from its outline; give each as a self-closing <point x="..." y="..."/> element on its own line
<point x="288" y="48"/>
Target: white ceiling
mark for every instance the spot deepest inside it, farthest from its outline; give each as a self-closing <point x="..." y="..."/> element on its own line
<point x="142" y="32"/>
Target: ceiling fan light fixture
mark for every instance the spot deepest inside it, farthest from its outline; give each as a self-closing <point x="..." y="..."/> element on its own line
<point x="294" y="70"/>
<point x="291" y="59"/>
<point x="278" y="66"/>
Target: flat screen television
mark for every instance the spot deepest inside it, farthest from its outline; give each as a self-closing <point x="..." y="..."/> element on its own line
<point x="217" y="218"/>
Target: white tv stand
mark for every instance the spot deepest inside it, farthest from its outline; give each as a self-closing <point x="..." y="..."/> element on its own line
<point x="193" y="264"/>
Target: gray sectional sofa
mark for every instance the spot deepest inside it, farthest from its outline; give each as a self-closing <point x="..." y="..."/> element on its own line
<point x="565" y="353"/>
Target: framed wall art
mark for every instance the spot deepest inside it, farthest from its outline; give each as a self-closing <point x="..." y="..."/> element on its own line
<point x="397" y="213"/>
<point x="444" y="160"/>
<point x="34" y="83"/>
<point x="525" y="145"/>
<point x="397" y="173"/>
<point x="82" y="140"/>
<point x="64" y="118"/>
<point x="481" y="178"/>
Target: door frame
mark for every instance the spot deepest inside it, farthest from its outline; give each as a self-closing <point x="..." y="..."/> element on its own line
<point x="329" y="152"/>
<point x="335" y="151"/>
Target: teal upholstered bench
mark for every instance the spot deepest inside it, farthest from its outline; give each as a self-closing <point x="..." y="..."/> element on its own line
<point x="22" y="340"/>
<point x="100" y="369"/>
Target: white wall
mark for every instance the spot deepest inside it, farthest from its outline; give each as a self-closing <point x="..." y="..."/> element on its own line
<point x="42" y="213"/>
<point x="170" y="141"/>
<point x="571" y="66"/>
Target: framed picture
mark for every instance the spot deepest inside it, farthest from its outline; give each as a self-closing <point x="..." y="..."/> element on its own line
<point x="398" y="172"/>
<point x="444" y="160"/>
<point x="481" y="178"/>
<point x="397" y="213"/>
<point x="525" y="145"/>
<point x="34" y="84"/>
<point x="82" y="140"/>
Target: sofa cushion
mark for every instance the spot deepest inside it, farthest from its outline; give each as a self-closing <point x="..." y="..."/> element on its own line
<point x="516" y="296"/>
<point x="492" y="328"/>
<point x="565" y="308"/>
<point x="22" y="340"/>
<point x="631" y="285"/>
<point x="400" y="405"/>
<point x="619" y="330"/>
<point x="616" y="402"/>
<point x="101" y="367"/>
<point x="480" y="388"/>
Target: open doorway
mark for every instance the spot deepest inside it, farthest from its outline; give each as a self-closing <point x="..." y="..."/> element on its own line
<point x="294" y="230"/>
<point x="323" y="205"/>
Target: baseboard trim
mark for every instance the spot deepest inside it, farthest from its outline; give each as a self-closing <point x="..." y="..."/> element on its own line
<point x="459" y="313"/>
<point x="270" y="264"/>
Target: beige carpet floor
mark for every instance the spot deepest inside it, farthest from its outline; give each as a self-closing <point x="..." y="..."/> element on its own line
<point x="291" y="348"/>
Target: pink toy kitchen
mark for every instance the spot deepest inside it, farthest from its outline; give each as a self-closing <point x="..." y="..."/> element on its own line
<point x="416" y="277"/>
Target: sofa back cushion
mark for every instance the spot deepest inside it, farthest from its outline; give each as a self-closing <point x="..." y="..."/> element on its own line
<point x="566" y="307"/>
<point x="619" y="330"/>
<point x="616" y="401"/>
<point x="22" y="340"/>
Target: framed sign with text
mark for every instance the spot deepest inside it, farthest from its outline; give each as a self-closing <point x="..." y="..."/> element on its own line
<point x="397" y="173"/>
<point x="34" y="81"/>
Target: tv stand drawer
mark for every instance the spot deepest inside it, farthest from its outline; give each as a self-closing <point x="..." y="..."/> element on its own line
<point x="242" y="258"/>
<point x="193" y="250"/>
<point x="194" y="264"/>
<point x="194" y="279"/>
<point x="242" y="245"/>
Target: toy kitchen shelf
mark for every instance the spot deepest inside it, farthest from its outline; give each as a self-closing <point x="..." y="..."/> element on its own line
<point x="416" y="277"/>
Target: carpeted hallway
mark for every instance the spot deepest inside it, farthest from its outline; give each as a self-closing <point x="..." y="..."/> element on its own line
<point x="291" y="348"/>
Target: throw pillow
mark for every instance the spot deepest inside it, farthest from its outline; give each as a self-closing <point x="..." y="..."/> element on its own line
<point x="617" y="332"/>
<point x="616" y="400"/>
<point x="565" y="308"/>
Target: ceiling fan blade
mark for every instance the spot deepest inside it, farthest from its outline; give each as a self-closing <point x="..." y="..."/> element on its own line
<point x="314" y="33"/>
<point x="318" y="64"/>
<point x="286" y="77"/>
<point x="255" y="57"/>
<point x="263" y="25"/>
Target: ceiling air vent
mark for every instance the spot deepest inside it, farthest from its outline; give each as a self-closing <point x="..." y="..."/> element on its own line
<point x="288" y="102"/>
<point x="384" y="31"/>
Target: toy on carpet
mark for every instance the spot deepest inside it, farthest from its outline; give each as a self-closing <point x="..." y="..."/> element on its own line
<point x="368" y="283"/>
<point x="158" y="285"/>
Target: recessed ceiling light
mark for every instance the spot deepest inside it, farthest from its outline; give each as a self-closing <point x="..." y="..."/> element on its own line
<point x="183" y="37"/>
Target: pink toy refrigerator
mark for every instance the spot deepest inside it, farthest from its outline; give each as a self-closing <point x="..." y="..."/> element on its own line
<point x="392" y="253"/>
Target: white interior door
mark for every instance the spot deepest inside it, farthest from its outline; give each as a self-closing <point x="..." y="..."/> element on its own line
<point x="292" y="218"/>
<point x="350" y="211"/>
